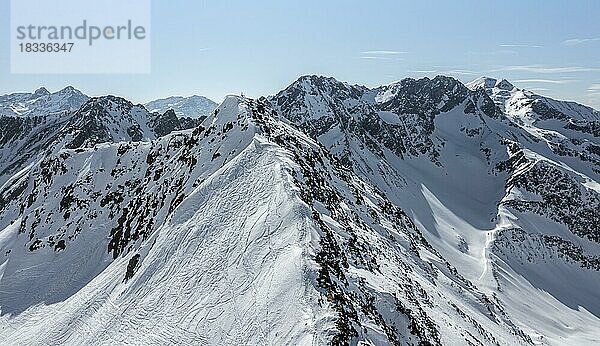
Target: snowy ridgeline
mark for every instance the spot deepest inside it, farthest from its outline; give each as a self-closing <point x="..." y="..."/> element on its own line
<point x="421" y="212"/>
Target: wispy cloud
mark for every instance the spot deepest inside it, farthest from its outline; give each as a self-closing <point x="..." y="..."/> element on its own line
<point x="593" y="95"/>
<point x="374" y="58"/>
<point x="538" y="89"/>
<point x="462" y="72"/>
<point x="510" y="45"/>
<point x="594" y="89"/>
<point x="547" y="81"/>
<point x="421" y="71"/>
<point x="577" y="41"/>
<point x="547" y="69"/>
<point x="382" y="52"/>
<point x="381" y="55"/>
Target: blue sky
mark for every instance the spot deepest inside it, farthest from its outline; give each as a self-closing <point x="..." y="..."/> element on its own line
<point x="219" y="47"/>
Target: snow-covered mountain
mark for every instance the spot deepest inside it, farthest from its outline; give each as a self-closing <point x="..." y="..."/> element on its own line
<point x="41" y="102"/>
<point x="420" y="212"/>
<point x="506" y="197"/>
<point x="196" y="107"/>
<point x="77" y="121"/>
<point x="30" y="122"/>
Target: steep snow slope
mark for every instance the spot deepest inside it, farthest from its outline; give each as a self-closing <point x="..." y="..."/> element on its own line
<point x="243" y="231"/>
<point x="225" y="270"/>
<point x="489" y="192"/>
<point x="421" y="212"/>
<point x="192" y="106"/>
<point x="551" y="226"/>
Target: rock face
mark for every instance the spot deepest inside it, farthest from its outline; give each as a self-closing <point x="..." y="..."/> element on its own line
<point x="421" y="212"/>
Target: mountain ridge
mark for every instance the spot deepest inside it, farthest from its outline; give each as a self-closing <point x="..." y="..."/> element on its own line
<point x="417" y="212"/>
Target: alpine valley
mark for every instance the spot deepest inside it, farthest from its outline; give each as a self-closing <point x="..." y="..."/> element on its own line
<point x="423" y="212"/>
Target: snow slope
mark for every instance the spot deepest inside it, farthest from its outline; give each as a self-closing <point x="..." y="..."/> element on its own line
<point x="227" y="270"/>
<point x="251" y="240"/>
<point x="421" y="212"/>
<point x="200" y="244"/>
<point x="479" y="179"/>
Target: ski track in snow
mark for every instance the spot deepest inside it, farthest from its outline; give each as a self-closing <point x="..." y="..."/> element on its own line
<point x="247" y="255"/>
<point x="234" y="262"/>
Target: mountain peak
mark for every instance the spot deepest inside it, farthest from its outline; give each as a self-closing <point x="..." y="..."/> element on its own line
<point x="42" y="91"/>
<point x="482" y="82"/>
<point x="69" y="90"/>
<point x="504" y="85"/>
<point x="320" y="82"/>
<point x="316" y="79"/>
<point x="109" y="99"/>
<point x="230" y="110"/>
<point x="434" y="91"/>
<point x="439" y="80"/>
<point x="321" y="85"/>
<point x="41" y="102"/>
<point x="106" y="103"/>
<point x="487" y="83"/>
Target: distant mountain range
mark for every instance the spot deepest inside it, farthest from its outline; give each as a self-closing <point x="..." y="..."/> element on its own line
<point x="423" y="212"/>
<point x="192" y="106"/>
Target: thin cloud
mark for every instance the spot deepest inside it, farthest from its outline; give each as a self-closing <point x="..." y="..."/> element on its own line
<point x="462" y="72"/>
<point x="421" y="71"/>
<point x="594" y="89"/>
<point x="520" y="46"/>
<point x="546" y="69"/>
<point x="593" y="95"/>
<point x="538" y="89"/>
<point x="547" y="81"/>
<point x="383" y="52"/>
<point x="381" y="55"/>
<point x="374" y="58"/>
<point x="577" y="41"/>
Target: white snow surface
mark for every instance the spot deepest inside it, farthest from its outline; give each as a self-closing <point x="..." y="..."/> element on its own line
<point x="457" y="203"/>
<point x="231" y="255"/>
<point x="231" y="265"/>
